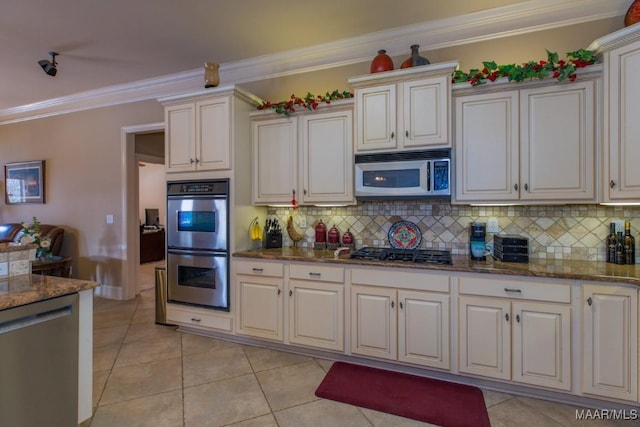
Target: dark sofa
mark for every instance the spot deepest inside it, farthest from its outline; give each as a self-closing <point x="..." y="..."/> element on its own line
<point x="13" y="232"/>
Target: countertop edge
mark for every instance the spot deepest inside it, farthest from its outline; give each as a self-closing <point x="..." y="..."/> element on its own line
<point x="34" y="288"/>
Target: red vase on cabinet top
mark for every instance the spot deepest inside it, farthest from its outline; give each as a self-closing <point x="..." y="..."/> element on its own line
<point x="633" y="14"/>
<point x="382" y="62"/>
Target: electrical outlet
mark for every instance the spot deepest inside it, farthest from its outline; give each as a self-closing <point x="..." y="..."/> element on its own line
<point x="493" y="226"/>
<point x="302" y="222"/>
<point x="619" y="224"/>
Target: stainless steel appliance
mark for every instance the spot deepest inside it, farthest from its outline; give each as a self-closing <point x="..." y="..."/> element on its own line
<point x="427" y="256"/>
<point x="197" y="243"/>
<point x="404" y="175"/>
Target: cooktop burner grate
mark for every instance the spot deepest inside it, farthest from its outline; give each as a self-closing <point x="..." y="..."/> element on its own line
<point x="426" y="256"/>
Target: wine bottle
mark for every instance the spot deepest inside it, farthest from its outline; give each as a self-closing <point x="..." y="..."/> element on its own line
<point x="619" y="249"/>
<point x="629" y="245"/>
<point x="611" y="243"/>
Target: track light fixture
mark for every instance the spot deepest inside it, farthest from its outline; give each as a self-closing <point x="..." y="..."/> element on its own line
<point x="49" y="67"/>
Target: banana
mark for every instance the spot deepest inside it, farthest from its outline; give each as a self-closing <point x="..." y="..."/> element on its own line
<point x="255" y="231"/>
<point x="293" y="233"/>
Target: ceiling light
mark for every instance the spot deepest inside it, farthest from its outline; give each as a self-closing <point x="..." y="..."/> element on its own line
<point x="49" y="67"/>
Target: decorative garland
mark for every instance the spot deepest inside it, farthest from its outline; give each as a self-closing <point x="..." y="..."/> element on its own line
<point x="552" y="67"/>
<point x="310" y="102"/>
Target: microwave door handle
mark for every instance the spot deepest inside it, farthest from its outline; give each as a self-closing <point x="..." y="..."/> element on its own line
<point x="429" y="176"/>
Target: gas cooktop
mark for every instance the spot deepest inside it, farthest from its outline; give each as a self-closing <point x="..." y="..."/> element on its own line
<point x="426" y="256"/>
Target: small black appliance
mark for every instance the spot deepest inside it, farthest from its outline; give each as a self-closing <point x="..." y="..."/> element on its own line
<point x="477" y="244"/>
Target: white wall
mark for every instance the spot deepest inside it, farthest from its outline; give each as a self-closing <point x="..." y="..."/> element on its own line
<point x="153" y="190"/>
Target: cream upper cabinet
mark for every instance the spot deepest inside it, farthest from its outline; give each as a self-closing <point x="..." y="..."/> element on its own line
<point x="502" y="337"/>
<point x="403" y="109"/>
<point x="621" y="56"/>
<point x="200" y="128"/>
<point x="610" y="341"/>
<point x="311" y="154"/>
<point x="316" y="306"/>
<point x="534" y="144"/>
<point x="275" y="160"/>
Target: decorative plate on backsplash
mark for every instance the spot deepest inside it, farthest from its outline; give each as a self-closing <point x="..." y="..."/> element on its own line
<point x="404" y="235"/>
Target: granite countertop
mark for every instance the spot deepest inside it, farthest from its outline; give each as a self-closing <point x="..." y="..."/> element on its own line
<point x="559" y="269"/>
<point x="28" y="288"/>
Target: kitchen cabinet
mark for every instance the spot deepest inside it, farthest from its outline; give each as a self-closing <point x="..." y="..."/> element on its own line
<point x="504" y="324"/>
<point x="199" y="129"/>
<point x="311" y="154"/>
<point x="528" y="145"/>
<point x="316" y="306"/>
<point x="259" y="289"/>
<point x="610" y="341"/>
<point x="403" y="109"/>
<point x="620" y="53"/>
<point x="408" y="325"/>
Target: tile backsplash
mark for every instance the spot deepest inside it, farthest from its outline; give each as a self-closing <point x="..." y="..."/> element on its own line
<point x="575" y="232"/>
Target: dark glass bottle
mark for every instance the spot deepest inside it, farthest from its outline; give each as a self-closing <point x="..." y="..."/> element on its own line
<point x="629" y="244"/>
<point x="619" y="249"/>
<point x="611" y="243"/>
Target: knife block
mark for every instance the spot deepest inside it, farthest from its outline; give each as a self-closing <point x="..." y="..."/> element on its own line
<point x="273" y="239"/>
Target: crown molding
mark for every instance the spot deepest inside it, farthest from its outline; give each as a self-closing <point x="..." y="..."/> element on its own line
<point x="521" y="18"/>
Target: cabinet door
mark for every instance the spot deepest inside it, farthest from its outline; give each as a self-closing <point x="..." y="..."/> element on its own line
<point x="539" y="326"/>
<point x="327" y="157"/>
<point x="487" y="147"/>
<point x="426" y="112"/>
<point x="213" y="134"/>
<point x="557" y="144"/>
<point x="423" y="328"/>
<point x="622" y="150"/>
<point x="610" y="346"/>
<point x="373" y="322"/>
<point x="260" y="307"/>
<point x="316" y="314"/>
<point x="485" y="337"/>
<point x="376" y="118"/>
<point x="274" y="160"/>
<point x="180" y="137"/>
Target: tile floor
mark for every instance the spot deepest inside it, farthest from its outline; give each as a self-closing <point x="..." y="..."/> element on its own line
<point x="151" y="375"/>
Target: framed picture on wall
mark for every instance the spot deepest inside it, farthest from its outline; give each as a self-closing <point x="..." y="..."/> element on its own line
<point x="24" y="182"/>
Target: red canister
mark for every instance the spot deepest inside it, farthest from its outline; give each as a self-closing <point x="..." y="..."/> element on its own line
<point x="333" y="236"/>
<point x="347" y="238"/>
<point x="321" y="232"/>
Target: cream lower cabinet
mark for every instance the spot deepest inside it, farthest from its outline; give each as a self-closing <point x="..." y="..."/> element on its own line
<point x="316" y="306"/>
<point x="610" y="341"/>
<point x="408" y="325"/>
<point x="502" y="337"/>
<point x="260" y="293"/>
<point x="536" y="144"/>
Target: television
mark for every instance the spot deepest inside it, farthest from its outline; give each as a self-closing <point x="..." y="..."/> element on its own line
<point x="152" y="217"/>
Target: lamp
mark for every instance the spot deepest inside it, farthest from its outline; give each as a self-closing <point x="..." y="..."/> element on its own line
<point x="49" y="67"/>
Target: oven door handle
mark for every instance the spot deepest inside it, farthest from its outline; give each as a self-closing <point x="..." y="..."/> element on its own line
<point x="196" y="252"/>
<point x="197" y="196"/>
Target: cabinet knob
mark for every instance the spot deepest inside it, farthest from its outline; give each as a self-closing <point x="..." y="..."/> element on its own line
<point x="506" y="317"/>
<point x="589" y="301"/>
<point x="526" y="187"/>
<point x="197" y="161"/>
<point x="279" y="291"/>
<point x="515" y="187"/>
<point x="406" y="133"/>
<point x="401" y="306"/>
<point x="304" y="191"/>
<point x="393" y="304"/>
<point x="290" y="293"/>
<point x="518" y="318"/>
<point x="191" y="161"/>
<point x="612" y="184"/>
<point x="393" y="135"/>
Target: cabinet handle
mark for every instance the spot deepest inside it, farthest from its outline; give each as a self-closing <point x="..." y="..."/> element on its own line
<point x="526" y="187"/>
<point x="393" y="135"/>
<point x="518" y="318"/>
<point x="589" y="301"/>
<point x="506" y="317"/>
<point x="195" y="319"/>
<point x="512" y="290"/>
<point x="406" y="133"/>
<point x="304" y="191"/>
<point x="612" y="184"/>
<point x="279" y="291"/>
<point x="515" y="187"/>
<point x="290" y="293"/>
<point x="258" y="270"/>
<point x="401" y="306"/>
<point x="191" y="161"/>
<point x="393" y="304"/>
<point x="312" y="274"/>
<point x="197" y="160"/>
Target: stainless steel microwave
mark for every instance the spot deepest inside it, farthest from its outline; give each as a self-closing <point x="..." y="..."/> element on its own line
<point x="414" y="175"/>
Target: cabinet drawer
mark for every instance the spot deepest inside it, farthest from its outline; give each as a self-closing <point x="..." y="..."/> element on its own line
<point x="516" y="289"/>
<point x="258" y="268"/>
<point x="401" y="279"/>
<point x="316" y="272"/>
<point x="197" y="317"/>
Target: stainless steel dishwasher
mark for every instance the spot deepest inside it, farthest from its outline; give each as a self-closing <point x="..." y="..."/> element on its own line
<point x="39" y="364"/>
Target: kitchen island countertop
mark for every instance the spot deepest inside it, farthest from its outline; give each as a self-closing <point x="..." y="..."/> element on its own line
<point x="28" y="288"/>
<point x="561" y="269"/>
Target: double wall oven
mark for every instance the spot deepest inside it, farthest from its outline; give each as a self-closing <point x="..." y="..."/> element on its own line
<point x="198" y="243"/>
